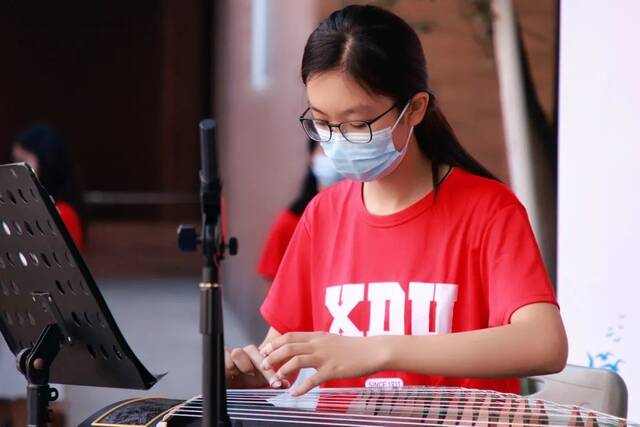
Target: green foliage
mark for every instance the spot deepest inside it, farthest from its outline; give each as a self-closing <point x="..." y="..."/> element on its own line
<point x="480" y="10"/>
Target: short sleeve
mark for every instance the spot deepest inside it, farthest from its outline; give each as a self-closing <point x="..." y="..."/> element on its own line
<point x="513" y="269"/>
<point x="276" y="244"/>
<point x="287" y="307"/>
<point x="72" y="222"/>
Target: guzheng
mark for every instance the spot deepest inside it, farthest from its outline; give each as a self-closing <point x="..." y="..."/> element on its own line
<point x="406" y="406"/>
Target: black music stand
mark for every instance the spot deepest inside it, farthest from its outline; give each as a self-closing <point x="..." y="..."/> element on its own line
<point x="52" y="314"/>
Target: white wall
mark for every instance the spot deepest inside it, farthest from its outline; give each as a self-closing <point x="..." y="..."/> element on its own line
<point x="263" y="150"/>
<point x="599" y="186"/>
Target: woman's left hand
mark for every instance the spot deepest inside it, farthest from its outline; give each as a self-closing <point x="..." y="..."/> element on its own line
<point x="334" y="357"/>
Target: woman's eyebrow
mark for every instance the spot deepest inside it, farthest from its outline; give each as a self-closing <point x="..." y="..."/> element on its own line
<point x="360" y="108"/>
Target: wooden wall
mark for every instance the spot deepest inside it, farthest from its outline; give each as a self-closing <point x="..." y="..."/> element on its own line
<point x="124" y="82"/>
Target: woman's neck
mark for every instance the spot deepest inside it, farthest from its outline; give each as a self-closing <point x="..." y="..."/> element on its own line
<point x="411" y="181"/>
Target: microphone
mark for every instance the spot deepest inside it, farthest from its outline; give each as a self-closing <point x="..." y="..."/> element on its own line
<point x="212" y="236"/>
<point x="208" y="156"/>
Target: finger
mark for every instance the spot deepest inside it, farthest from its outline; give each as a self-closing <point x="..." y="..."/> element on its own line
<point x="295" y="364"/>
<point x="284" y="353"/>
<point x="306" y="385"/>
<point x="592" y="420"/>
<point x="256" y="360"/>
<point x="229" y="366"/>
<point x="288" y="338"/>
<point x="242" y="361"/>
<point x="576" y="419"/>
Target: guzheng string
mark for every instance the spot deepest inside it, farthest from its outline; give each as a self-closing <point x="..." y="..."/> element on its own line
<point x="404" y="406"/>
<point x="386" y="405"/>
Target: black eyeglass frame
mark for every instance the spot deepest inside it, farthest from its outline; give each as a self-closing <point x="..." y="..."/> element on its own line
<point x="330" y="125"/>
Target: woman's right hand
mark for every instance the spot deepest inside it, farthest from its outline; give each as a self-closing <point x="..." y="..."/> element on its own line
<point x="243" y="369"/>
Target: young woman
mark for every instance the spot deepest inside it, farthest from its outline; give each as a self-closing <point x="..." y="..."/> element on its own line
<point x="41" y="147"/>
<point x="420" y="269"/>
<point x="320" y="175"/>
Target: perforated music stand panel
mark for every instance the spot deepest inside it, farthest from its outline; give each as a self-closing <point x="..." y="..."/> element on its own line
<point x="37" y="254"/>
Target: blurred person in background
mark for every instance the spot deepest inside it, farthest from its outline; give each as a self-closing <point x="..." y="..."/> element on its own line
<point x="43" y="150"/>
<point x="320" y="174"/>
<point x="41" y="147"/>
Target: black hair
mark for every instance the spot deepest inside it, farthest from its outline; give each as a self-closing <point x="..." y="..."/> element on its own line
<point x="383" y="54"/>
<point x="309" y="187"/>
<point x="55" y="167"/>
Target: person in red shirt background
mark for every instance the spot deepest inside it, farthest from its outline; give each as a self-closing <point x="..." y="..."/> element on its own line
<point x="44" y="151"/>
<point x="421" y="268"/>
<point x="41" y="147"/>
<point x="320" y="175"/>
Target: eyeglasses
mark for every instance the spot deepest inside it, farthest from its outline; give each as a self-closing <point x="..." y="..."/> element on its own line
<point x="355" y="131"/>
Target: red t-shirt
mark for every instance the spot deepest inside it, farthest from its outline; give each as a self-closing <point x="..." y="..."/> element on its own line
<point x="463" y="260"/>
<point x="71" y="220"/>
<point x="277" y="242"/>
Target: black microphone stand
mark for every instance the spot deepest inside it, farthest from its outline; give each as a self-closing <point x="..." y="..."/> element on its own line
<point x="214" y="246"/>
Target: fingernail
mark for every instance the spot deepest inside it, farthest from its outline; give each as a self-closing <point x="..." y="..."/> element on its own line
<point x="295" y="393"/>
<point x="276" y="384"/>
<point x="268" y="348"/>
<point x="286" y="384"/>
<point x="265" y="365"/>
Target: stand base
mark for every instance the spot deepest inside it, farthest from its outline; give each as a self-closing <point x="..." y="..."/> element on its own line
<point x="38" y="398"/>
<point x="35" y="364"/>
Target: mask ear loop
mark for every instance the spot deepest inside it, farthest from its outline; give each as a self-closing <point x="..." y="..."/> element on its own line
<point x="404" y="149"/>
<point x="406" y="143"/>
<point x="400" y="116"/>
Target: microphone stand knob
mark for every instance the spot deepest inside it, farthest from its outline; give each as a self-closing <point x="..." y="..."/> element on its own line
<point x="188" y="239"/>
<point x="233" y="246"/>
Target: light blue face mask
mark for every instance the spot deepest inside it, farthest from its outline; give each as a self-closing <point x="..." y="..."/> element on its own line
<point x="366" y="162"/>
<point x="323" y="170"/>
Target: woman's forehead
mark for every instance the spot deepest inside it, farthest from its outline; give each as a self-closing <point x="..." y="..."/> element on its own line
<point x="336" y="93"/>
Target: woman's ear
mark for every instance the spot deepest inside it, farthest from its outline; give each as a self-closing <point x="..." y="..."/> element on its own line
<point x="418" y="108"/>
